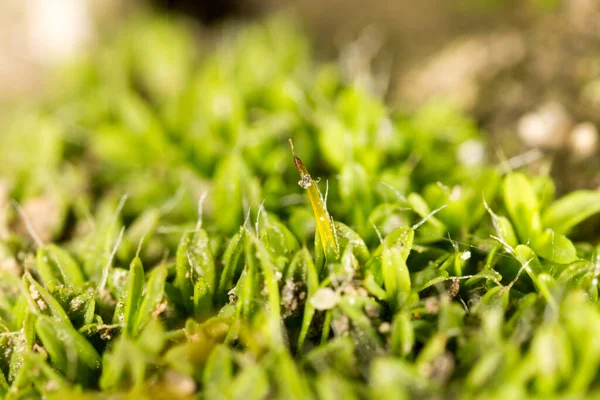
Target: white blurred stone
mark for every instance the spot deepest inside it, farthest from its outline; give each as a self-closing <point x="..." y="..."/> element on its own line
<point x="546" y="127"/>
<point x="180" y="383"/>
<point x="471" y="153"/>
<point x="325" y="299"/>
<point x="57" y="29"/>
<point x="583" y="141"/>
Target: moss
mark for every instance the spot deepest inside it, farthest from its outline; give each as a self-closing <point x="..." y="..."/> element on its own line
<point x="181" y="256"/>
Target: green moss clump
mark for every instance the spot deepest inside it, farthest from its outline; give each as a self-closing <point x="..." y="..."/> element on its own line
<point x="159" y="245"/>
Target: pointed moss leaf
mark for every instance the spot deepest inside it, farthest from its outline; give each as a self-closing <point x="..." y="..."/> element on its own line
<point x="319" y="255"/>
<point x="19" y="348"/>
<point x="312" y="285"/>
<point x="349" y="264"/>
<point x="202" y="299"/>
<point x="401" y="239"/>
<point x="433" y="281"/>
<point x="551" y="350"/>
<point x="331" y="134"/>
<point x="373" y="287"/>
<point x="522" y="204"/>
<point x="545" y="189"/>
<point x="268" y="269"/>
<point x="387" y="217"/>
<point x="356" y="194"/>
<point x="152" y="338"/>
<point x="41" y="301"/>
<point x="51" y="383"/>
<point x="392" y="378"/>
<point x="185" y="273"/>
<point x="4" y="387"/>
<point x="291" y="383"/>
<point x="349" y="238"/>
<point x="567" y="212"/>
<point x="422" y="209"/>
<point x="229" y="179"/>
<point x="48" y="271"/>
<point x="484" y="369"/>
<point x="142" y="228"/>
<point x="527" y="257"/>
<point x="231" y="258"/>
<point x="486" y="274"/>
<point x="153" y="295"/>
<point x="554" y="247"/>
<point x="101" y="244"/>
<point x="373" y="266"/>
<point x="69" y="351"/>
<point x="433" y="348"/>
<point x="504" y="229"/>
<point x="202" y="259"/>
<point x="332" y="386"/>
<point x="302" y="223"/>
<point x="252" y="383"/>
<point x="249" y="282"/>
<point x="57" y="267"/>
<point x="90" y="308"/>
<point x="127" y="308"/>
<point x="218" y="373"/>
<point x="12" y="304"/>
<point x="55" y="347"/>
<point x="280" y="241"/>
<point x="72" y="273"/>
<point x="368" y="341"/>
<point x="396" y="277"/>
<point x="126" y="361"/>
<point x="464" y="207"/>
<point x="113" y="365"/>
<point x="536" y="271"/>
<point x="295" y="270"/>
<point x="402" y="337"/>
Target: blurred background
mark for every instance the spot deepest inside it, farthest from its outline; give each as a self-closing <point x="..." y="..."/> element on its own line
<point x="527" y="70"/>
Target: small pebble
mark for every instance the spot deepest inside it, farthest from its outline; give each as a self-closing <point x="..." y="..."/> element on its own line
<point x="385" y="327"/>
<point x="546" y="127"/>
<point x="471" y="153"/>
<point x="583" y="141"/>
<point x="325" y="299"/>
<point x="180" y="383"/>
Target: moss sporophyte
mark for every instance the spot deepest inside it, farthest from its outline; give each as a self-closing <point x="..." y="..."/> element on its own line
<point x="325" y="225"/>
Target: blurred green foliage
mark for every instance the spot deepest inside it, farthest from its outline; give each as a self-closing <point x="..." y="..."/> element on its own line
<point x="158" y="244"/>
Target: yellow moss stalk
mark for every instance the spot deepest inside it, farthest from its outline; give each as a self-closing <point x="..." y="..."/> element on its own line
<point x="325" y="227"/>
